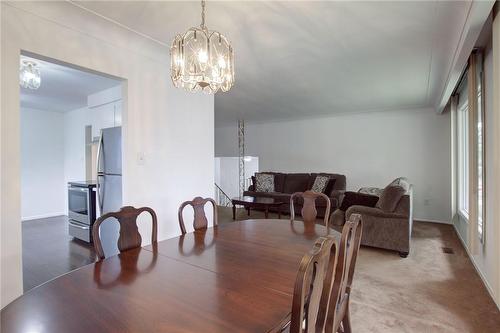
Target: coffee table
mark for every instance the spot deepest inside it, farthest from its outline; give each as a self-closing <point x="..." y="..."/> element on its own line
<point x="256" y="203"/>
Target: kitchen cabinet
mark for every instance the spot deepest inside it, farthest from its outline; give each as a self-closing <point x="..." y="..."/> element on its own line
<point x="104" y="116"/>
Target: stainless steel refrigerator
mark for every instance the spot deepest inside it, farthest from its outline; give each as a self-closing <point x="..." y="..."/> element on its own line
<point x="109" y="185"/>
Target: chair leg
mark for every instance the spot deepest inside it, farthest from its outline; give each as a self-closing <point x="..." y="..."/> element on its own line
<point x="403" y="254"/>
<point x="346" y="321"/>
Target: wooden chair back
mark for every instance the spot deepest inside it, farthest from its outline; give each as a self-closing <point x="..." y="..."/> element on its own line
<point x="129" y="238"/>
<point x="338" y="308"/>
<point x="314" y="276"/>
<point x="309" y="211"/>
<point x="200" y="220"/>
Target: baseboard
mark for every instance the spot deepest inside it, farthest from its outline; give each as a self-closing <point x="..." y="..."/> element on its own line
<point x="42" y="216"/>
<point x="481" y="275"/>
<point x="431" y="221"/>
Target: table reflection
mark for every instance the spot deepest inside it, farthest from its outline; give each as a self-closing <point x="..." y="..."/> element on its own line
<point x="309" y="229"/>
<point x="129" y="262"/>
<point x="199" y="240"/>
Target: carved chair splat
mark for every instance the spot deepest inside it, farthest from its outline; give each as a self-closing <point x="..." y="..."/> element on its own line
<point x="309" y="211"/>
<point x="314" y="276"/>
<point x="200" y="220"/>
<point x="338" y="316"/>
<point x="130" y="237"/>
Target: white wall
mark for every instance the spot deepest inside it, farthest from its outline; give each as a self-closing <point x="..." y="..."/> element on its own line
<point x="42" y="164"/>
<point x="371" y="149"/>
<point x="227" y="173"/>
<point x="171" y="128"/>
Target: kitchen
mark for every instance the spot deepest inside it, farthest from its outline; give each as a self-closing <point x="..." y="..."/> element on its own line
<point x="70" y="147"/>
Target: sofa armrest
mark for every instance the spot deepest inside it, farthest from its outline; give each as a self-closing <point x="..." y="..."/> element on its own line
<point x="372" y="211"/>
<point x="251" y="188"/>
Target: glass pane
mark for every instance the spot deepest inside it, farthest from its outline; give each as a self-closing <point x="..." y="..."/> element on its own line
<point x="463" y="159"/>
<point x="78" y="201"/>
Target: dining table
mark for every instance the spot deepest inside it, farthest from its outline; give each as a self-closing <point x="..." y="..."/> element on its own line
<point x="233" y="277"/>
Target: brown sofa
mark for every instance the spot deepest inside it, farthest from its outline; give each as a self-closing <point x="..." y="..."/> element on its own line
<point x="387" y="215"/>
<point x="285" y="184"/>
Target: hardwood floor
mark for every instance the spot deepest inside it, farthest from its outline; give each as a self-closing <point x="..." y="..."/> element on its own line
<point x="48" y="251"/>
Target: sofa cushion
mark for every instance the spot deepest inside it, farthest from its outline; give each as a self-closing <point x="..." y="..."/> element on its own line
<point x="296" y="182"/>
<point x="356" y="198"/>
<point x="264" y="182"/>
<point x="320" y="184"/>
<point x="389" y="198"/>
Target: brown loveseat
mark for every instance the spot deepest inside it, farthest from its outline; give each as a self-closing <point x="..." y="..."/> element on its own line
<point x="287" y="183"/>
<point x="387" y="215"/>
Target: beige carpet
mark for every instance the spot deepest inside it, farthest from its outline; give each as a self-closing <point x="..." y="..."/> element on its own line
<point x="430" y="291"/>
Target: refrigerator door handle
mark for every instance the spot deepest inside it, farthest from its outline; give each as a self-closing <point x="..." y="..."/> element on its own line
<point x="98" y="185"/>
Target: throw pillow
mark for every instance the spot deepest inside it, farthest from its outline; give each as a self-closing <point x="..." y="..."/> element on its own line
<point x="264" y="182"/>
<point x="356" y="198"/>
<point x="320" y="184"/>
<point x="389" y="198"/>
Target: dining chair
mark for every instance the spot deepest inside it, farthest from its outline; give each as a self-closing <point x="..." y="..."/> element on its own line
<point x="129" y="238"/>
<point x="200" y="219"/>
<point x="338" y="316"/>
<point x="309" y="212"/>
<point x="312" y="284"/>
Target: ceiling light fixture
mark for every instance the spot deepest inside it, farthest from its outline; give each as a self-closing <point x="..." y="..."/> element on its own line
<point x="202" y="60"/>
<point x="29" y="74"/>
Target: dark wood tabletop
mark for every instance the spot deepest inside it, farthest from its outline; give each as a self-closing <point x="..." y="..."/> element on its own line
<point x="236" y="277"/>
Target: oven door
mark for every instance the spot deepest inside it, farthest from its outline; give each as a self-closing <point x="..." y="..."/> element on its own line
<point x="78" y="204"/>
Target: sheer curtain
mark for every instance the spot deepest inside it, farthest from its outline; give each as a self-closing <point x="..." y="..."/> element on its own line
<point x="475" y="152"/>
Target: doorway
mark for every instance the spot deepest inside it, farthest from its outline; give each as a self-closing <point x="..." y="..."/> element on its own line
<point x="63" y="109"/>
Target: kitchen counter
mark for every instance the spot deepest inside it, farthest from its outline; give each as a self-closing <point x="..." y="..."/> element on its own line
<point x="84" y="183"/>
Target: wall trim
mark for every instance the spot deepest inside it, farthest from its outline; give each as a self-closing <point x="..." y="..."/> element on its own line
<point x="42" y="216"/>
<point x="481" y="275"/>
<point x="431" y="221"/>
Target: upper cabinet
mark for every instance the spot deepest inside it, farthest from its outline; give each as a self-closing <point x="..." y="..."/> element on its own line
<point x="105" y="110"/>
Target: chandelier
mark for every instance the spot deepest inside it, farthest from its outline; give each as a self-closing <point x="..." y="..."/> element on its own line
<point x="29" y="74"/>
<point x="202" y="60"/>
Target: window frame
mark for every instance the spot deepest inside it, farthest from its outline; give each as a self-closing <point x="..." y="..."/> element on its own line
<point x="463" y="160"/>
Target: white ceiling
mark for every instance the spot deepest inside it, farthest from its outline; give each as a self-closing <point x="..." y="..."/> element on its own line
<point x="63" y="88"/>
<point x="298" y="59"/>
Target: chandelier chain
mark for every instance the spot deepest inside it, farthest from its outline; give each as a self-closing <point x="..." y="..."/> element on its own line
<point x="202" y="14"/>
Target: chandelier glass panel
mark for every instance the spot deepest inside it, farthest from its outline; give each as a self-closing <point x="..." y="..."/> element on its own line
<point x="29" y="75"/>
<point x="202" y="60"/>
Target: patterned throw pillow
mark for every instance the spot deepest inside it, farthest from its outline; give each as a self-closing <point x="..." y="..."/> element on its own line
<point x="264" y="182"/>
<point x="320" y="184"/>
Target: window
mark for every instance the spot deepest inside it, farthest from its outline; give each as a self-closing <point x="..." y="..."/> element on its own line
<point x="470" y="125"/>
<point x="463" y="160"/>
